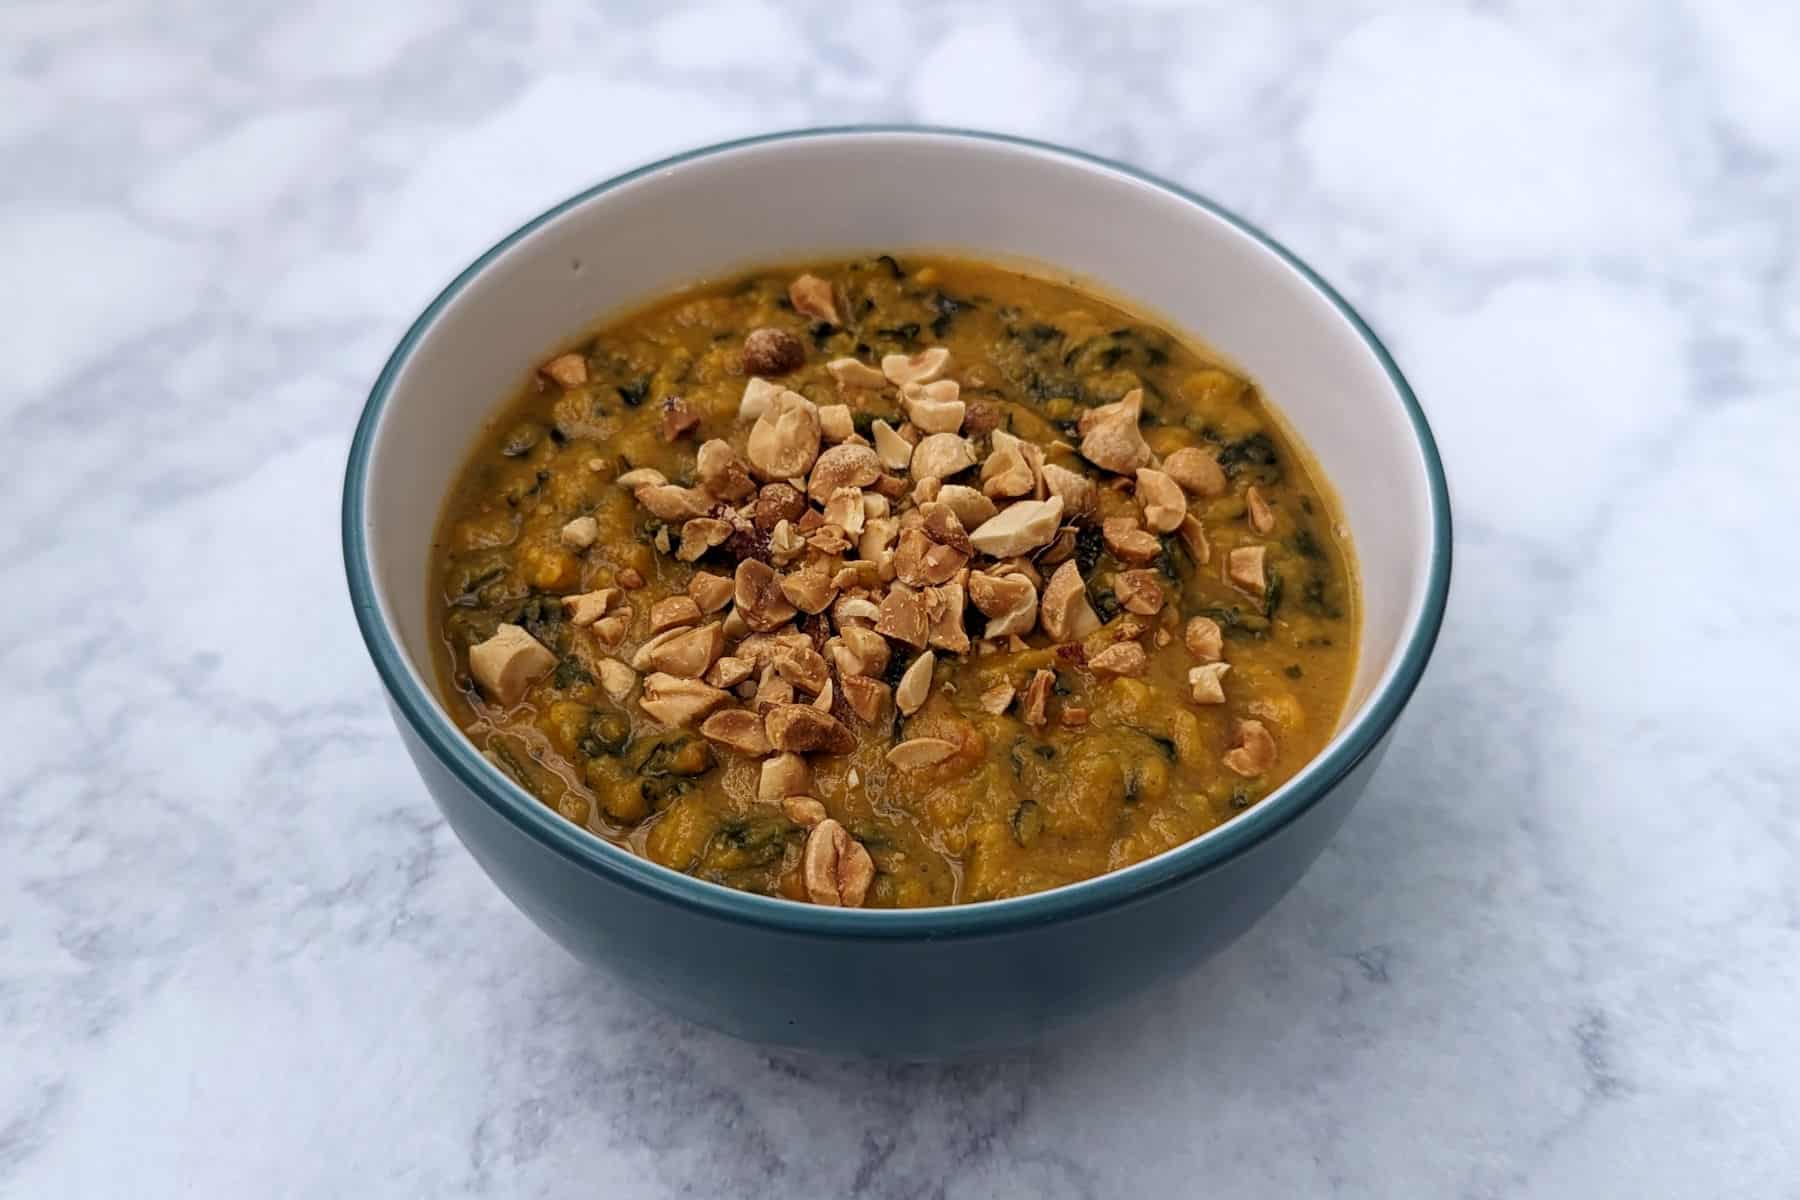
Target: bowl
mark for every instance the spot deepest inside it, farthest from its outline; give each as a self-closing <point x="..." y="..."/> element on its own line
<point x="919" y="983"/>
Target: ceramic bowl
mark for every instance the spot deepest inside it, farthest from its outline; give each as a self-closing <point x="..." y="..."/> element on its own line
<point x="922" y="983"/>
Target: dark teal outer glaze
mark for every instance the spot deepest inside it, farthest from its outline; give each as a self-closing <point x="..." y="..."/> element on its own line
<point x="920" y="983"/>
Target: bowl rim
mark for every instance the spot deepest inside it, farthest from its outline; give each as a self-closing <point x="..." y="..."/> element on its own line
<point x="588" y="851"/>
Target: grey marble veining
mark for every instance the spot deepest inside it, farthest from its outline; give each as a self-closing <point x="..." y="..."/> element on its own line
<point x="1556" y="952"/>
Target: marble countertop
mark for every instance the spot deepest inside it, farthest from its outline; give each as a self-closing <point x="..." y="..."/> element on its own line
<point x="1555" y="952"/>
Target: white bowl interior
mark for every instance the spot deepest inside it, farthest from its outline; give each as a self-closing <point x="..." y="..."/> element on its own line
<point x="853" y="193"/>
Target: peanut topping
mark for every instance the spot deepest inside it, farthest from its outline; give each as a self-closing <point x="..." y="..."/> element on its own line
<point x="1008" y="601"/>
<point x="1060" y="547"/>
<point x="616" y="679"/>
<point x="639" y="477"/>
<point x="944" y="614"/>
<point x="851" y="373"/>
<point x="1120" y="658"/>
<point x="1064" y="611"/>
<point x="1007" y="472"/>
<point x="1128" y="542"/>
<point x="568" y="370"/>
<point x="1110" y="437"/>
<point x="783" y="775"/>
<point x="850" y="609"/>
<point x="915" y="684"/>
<point x="922" y="367"/>
<point x="810" y="589"/>
<point x="775" y="503"/>
<point x="1193" y="538"/>
<point x="772" y="352"/>
<point x="1075" y="490"/>
<point x="998" y="698"/>
<point x="785" y="440"/>
<point x="759" y="597"/>
<point x="869" y="647"/>
<point x="802" y="810"/>
<point x="1139" y="592"/>
<point x="813" y="297"/>
<point x="920" y="752"/>
<point x="1037" y="699"/>
<point x="802" y="728"/>
<point x="1244" y="566"/>
<point x="1198" y="472"/>
<point x="508" y="663"/>
<point x="836" y="422"/>
<point x="944" y="527"/>
<point x="894" y="451"/>
<point x="589" y="607"/>
<point x="722" y="473"/>
<point x="580" y="533"/>
<point x="1019" y="528"/>
<point x="677" y="702"/>
<point x="729" y="671"/>
<point x="609" y="631"/>
<point x="903" y="617"/>
<point x="1164" y="504"/>
<point x="941" y="455"/>
<point x="683" y="652"/>
<point x="736" y="729"/>
<point x="876" y="542"/>
<point x="866" y="697"/>
<point x="835" y="867"/>
<point x="847" y="465"/>
<point x="708" y="591"/>
<point x="759" y="394"/>
<point x="671" y="611"/>
<point x="700" y="535"/>
<point x="785" y="543"/>
<point x="1205" y="640"/>
<point x="1208" y="682"/>
<point x="969" y="505"/>
<point x="672" y="503"/>
<point x="1254" y="752"/>
<point x="934" y="407"/>
<point x="803" y="667"/>
<point x="1262" y="518"/>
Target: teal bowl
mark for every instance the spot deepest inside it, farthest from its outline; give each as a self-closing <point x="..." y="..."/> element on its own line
<point x="920" y="983"/>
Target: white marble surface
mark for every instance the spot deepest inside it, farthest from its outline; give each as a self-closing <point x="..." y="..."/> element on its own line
<point x="1556" y="952"/>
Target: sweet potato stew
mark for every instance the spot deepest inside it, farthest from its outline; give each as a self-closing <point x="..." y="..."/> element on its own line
<point x="893" y="583"/>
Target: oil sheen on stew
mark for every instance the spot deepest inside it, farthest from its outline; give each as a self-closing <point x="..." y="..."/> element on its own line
<point x="893" y="583"/>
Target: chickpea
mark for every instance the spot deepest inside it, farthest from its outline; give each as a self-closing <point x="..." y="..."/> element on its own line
<point x="549" y="568"/>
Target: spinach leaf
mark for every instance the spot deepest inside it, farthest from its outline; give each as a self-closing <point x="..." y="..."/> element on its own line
<point x="906" y="333"/>
<point x="1234" y="622"/>
<point x="1313" y="600"/>
<point x="1164" y="744"/>
<point x="1027" y="822"/>
<point x="947" y="307"/>
<point x="635" y="392"/>
<point x="1255" y="452"/>
<point x="540" y="616"/>
<point x="1106" y="604"/>
<point x="569" y="673"/>
<point x="1169" y="557"/>
<point x="1090" y="543"/>
<point x="1305" y="544"/>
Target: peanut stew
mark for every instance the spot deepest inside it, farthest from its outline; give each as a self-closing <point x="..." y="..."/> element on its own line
<point x="893" y="584"/>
